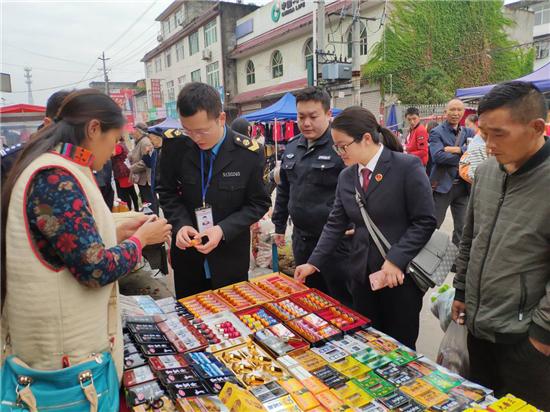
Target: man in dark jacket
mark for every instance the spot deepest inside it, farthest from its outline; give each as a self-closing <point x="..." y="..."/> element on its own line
<point x="503" y="269"/>
<point x="211" y="191"/>
<point x="309" y="174"/>
<point x="448" y="142"/>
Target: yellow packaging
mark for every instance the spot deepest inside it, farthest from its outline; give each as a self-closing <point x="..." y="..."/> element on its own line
<point x="310" y="360"/>
<point x="431" y="398"/>
<point x="284" y="404"/>
<point x="239" y="400"/>
<point x="200" y="404"/>
<point x="417" y="388"/>
<point x="330" y="401"/>
<point x="319" y="409"/>
<point x="350" y="367"/>
<point x="305" y="399"/>
<point x="508" y="403"/>
<point x="314" y="385"/>
<point x="290" y="384"/>
<point x="529" y="408"/>
<point x="353" y="395"/>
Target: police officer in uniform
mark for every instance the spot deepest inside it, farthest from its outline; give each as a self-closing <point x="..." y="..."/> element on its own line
<point x="308" y="178"/>
<point x="211" y="191"/>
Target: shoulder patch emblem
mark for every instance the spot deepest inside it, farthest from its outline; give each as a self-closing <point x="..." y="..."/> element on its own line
<point x="247" y="143"/>
<point x="172" y="133"/>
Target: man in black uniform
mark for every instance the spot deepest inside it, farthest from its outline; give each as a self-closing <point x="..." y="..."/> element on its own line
<point x="309" y="174"/>
<point x="211" y="191"/>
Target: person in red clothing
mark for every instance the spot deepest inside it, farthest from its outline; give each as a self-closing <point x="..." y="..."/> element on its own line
<point x="124" y="186"/>
<point x="417" y="140"/>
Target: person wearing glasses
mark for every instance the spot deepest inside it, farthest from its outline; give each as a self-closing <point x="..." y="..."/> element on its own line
<point x="397" y="195"/>
<point x="211" y="190"/>
<point x="308" y="176"/>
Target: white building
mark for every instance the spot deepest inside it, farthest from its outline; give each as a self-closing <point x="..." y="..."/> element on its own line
<point x="194" y="44"/>
<point x="274" y="45"/>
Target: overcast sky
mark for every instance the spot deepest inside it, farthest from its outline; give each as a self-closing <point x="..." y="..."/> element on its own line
<point x="61" y="41"/>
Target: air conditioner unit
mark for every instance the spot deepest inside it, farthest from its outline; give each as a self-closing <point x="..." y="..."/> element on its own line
<point x="160" y="37"/>
<point x="207" y="54"/>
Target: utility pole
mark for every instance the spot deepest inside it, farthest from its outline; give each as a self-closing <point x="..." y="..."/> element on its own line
<point x="28" y="80"/>
<point x="314" y="44"/>
<point x="106" y="76"/>
<point x="320" y="32"/>
<point x="355" y="53"/>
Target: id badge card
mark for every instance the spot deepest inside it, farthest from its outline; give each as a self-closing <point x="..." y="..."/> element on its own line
<point x="205" y="219"/>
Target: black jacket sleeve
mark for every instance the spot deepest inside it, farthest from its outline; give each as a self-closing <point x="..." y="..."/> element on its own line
<point x="168" y="189"/>
<point x="333" y="231"/>
<point x="420" y="208"/>
<point x="256" y="205"/>
<point x="280" y="211"/>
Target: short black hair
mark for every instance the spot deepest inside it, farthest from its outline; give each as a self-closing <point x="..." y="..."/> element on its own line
<point x="241" y="126"/>
<point x="523" y="98"/>
<point x="195" y="97"/>
<point x="315" y="94"/>
<point x="412" y="111"/>
<point x="54" y="103"/>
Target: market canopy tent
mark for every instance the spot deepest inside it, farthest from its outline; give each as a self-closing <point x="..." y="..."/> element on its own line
<point x="168" y="123"/>
<point x="283" y="109"/>
<point x="540" y="78"/>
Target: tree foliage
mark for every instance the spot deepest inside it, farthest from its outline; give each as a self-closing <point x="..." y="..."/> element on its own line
<point x="433" y="47"/>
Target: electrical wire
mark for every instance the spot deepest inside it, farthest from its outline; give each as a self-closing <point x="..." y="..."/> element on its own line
<point x="44" y="55"/>
<point x="61" y="86"/>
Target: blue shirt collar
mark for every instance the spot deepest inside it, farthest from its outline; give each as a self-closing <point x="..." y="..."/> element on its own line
<point x="216" y="148"/>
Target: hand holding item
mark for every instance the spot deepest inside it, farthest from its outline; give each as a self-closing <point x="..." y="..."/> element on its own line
<point x="154" y="231"/>
<point x="458" y="312"/>
<point x="394" y="275"/>
<point x="128" y="227"/>
<point x="303" y="271"/>
<point x="377" y="280"/>
<point x="186" y="237"/>
<point x="279" y="240"/>
<point x="214" y="235"/>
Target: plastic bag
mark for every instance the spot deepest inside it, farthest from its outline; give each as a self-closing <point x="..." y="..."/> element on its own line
<point x="441" y="303"/>
<point x="453" y="351"/>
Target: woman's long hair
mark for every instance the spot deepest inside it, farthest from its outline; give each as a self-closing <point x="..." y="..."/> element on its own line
<point x="355" y="121"/>
<point x="70" y="125"/>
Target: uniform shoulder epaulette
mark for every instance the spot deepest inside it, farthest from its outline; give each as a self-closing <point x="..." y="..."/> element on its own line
<point x="247" y="143"/>
<point x="172" y="133"/>
<point x="294" y="138"/>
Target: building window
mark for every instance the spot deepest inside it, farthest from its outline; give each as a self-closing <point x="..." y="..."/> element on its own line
<point x="149" y="69"/>
<point x="542" y="50"/>
<point x="181" y="82"/>
<point x="250" y="73"/>
<point x="179" y="51"/>
<point x="168" y="58"/>
<point x="210" y="33"/>
<point x="213" y="74"/>
<point x="171" y="92"/>
<point x="158" y="65"/>
<point x="165" y="28"/>
<point x="542" y="13"/>
<point x="308" y="51"/>
<point x="179" y="17"/>
<point x="277" y="64"/>
<point x="363" y="49"/>
<point x="174" y="22"/>
<point x="193" y="43"/>
<point x="196" y="76"/>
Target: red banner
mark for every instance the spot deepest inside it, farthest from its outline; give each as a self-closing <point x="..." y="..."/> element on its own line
<point x="156" y="97"/>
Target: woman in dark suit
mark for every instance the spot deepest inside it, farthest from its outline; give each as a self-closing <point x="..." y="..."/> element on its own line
<point x="398" y="197"/>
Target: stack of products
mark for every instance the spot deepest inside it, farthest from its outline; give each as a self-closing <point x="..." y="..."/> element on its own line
<point x="280" y="347"/>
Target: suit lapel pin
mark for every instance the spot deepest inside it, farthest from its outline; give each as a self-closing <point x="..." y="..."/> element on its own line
<point x="378" y="177"/>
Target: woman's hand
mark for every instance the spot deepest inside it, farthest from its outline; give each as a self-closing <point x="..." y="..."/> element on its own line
<point x="154" y="231"/>
<point x="303" y="271"/>
<point x="128" y="227"/>
<point x="394" y="276"/>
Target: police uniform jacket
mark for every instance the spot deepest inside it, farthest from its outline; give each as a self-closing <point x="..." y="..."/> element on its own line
<point x="236" y="194"/>
<point x="308" y="185"/>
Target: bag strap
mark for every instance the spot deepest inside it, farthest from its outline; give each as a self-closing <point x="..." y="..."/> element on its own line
<point x="375" y="233"/>
<point x="112" y="316"/>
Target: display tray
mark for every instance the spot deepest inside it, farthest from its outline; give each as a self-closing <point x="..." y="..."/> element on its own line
<point x="280" y="340"/>
<point x="278" y="285"/>
<point x="257" y="318"/>
<point x="205" y="303"/>
<point x="242" y="295"/>
<point x="343" y="318"/>
<point x="285" y="309"/>
<point x="314" y="329"/>
<point x="313" y="300"/>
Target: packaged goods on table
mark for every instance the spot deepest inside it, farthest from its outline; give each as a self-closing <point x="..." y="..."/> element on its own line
<point x="279" y="340"/>
<point x="278" y="285"/>
<point x="285" y="309"/>
<point x="205" y="303"/>
<point x="257" y="318"/>
<point x="223" y="330"/>
<point x="343" y="318"/>
<point x="242" y="295"/>
<point x="314" y="329"/>
<point x="313" y="300"/>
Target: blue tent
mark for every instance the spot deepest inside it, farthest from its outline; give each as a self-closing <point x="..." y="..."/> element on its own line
<point x="283" y="109"/>
<point x="540" y="78"/>
<point x="168" y="123"/>
<point x="391" y="121"/>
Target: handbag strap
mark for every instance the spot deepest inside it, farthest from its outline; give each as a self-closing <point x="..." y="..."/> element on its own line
<point x="375" y="233"/>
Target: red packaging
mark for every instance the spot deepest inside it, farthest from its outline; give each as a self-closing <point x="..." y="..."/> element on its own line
<point x="313" y="300"/>
<point x="343" y="318"/>
<point x="160" y="363"/>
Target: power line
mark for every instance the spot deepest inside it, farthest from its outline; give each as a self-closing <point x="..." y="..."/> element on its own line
<point x="138" y="50"/>
<point x="40" y="68"/>
<point x="61" y="86"/>
<point x="134" y="40"/>
<point x="44" y="55"/>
